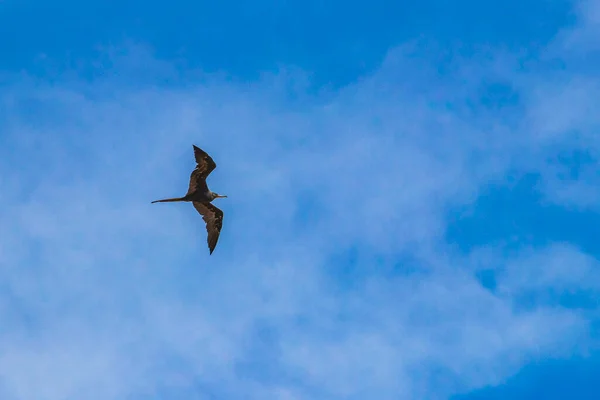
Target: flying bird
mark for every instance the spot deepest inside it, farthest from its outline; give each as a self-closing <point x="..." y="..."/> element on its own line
<point x="201" y="197"/>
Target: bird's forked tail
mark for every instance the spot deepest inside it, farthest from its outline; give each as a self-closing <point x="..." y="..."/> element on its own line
<point x="170" y="200"/>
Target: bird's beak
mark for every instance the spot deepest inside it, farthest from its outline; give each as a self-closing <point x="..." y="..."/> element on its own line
<point x="219" y="196"/>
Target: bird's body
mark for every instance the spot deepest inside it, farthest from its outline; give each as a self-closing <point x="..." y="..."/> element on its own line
<point x="201" y="197"/>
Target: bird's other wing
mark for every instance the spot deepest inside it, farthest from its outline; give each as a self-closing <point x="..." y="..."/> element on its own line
<point x="205" y="165"/>
<point x="213" y="217"/>
<point x="205" y="162"/>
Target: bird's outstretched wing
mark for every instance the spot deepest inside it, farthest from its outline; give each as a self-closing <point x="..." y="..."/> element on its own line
<point x="213" y="217"/>
<point x="205" y="165"/>
<point x="205" y="162"/>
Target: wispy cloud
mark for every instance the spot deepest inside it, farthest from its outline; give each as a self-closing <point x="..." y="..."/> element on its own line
<point x="333" y="277"/>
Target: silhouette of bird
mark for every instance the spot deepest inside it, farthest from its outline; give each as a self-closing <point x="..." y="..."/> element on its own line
<point x="201" y="197"/>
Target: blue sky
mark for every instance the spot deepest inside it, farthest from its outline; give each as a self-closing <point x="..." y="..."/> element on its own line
<point x="412" y="211"/>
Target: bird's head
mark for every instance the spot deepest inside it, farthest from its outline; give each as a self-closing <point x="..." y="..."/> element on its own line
<point x="218" y="196"/>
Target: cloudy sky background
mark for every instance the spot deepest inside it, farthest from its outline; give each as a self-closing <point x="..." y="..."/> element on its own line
<point x="413" y="206"/>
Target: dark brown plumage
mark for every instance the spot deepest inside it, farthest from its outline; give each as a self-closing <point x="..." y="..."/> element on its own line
<point x="213" y="217"/>
<point x="201" y="197"/>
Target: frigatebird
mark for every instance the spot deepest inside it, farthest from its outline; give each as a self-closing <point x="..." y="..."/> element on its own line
<point x="201" y="197"/>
